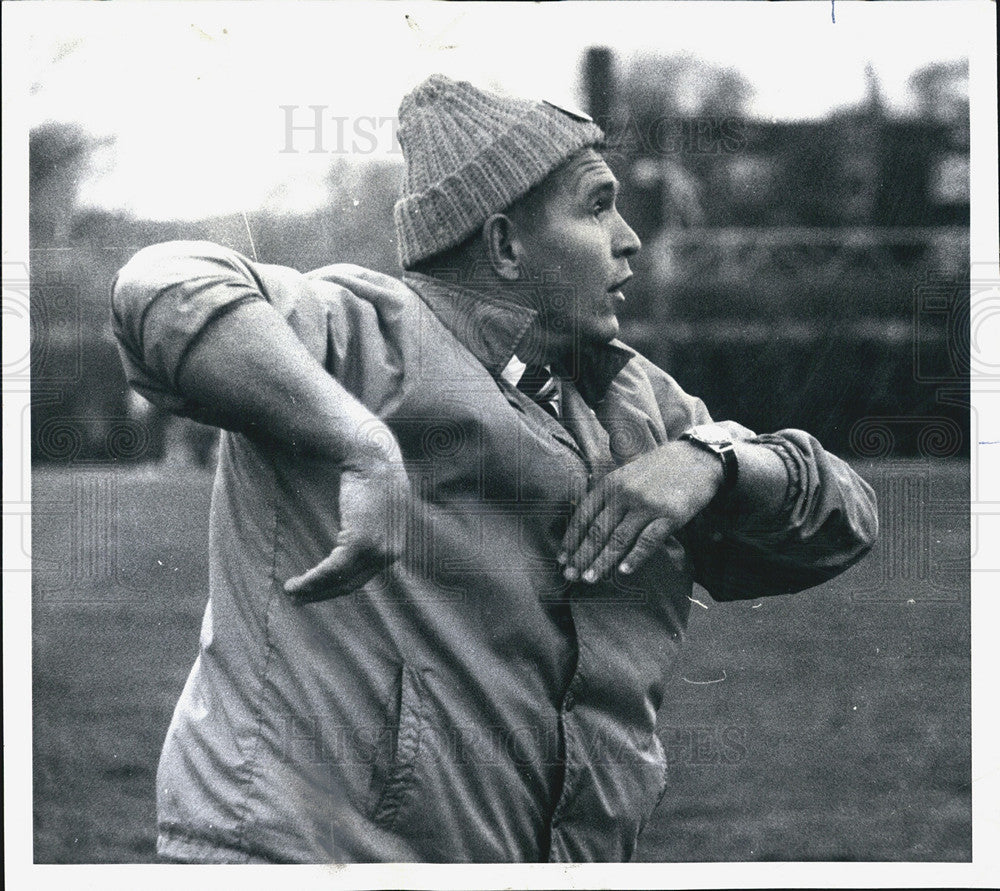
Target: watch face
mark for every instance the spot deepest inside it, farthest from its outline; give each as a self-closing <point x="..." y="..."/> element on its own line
<point x="712" y="433"/>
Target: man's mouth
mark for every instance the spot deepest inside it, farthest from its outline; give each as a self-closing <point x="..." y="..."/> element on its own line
<point x="616" y="289"/>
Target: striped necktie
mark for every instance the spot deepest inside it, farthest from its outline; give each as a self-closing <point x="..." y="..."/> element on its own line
<point x="541" y="385"/>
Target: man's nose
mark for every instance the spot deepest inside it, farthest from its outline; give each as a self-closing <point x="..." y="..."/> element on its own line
<point x="626" y="243"/>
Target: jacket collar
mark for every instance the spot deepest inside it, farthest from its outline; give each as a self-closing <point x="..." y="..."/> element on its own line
<point x="492" y="329"/>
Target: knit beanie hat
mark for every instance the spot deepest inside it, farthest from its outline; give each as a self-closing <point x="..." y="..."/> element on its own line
<point x="469" y="154"/>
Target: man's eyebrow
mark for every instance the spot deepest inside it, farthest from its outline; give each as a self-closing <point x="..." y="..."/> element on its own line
<point x="606" y="185"/>
<point x="602" y="178"/>
<point x="588" y="185"/>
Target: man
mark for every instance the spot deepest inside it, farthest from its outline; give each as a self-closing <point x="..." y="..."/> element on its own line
<point x="455" y="523"/>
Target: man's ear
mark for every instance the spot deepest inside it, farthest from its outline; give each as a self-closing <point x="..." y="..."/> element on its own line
<point x="502" y="247"/>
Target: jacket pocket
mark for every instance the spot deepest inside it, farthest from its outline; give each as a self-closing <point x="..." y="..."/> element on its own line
<point x="395" y="775"/>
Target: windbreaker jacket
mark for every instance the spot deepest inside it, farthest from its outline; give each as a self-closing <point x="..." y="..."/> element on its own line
<point x="468" y="704"/>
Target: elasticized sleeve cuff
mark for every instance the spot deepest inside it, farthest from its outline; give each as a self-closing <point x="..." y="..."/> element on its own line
<point x="791" y="460"/>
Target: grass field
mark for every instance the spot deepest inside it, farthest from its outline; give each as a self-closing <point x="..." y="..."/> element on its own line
<point x="832" y="725"/>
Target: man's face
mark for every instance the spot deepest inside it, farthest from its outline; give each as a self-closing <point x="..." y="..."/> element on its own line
<point x="575" y="248"/>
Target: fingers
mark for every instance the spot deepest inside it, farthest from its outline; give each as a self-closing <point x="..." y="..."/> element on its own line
<point x="653" y="535"/>
<point x="579" y="524"/>
<point x="591" y="543"/>
<point x="347" y="568"/>
<point x="605" y="532"/>
<point x="617" y="544"/>
<point x="628" y="546"/>
<point x="374" y="511"/>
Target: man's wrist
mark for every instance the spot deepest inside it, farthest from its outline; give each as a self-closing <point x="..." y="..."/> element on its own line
<point x="372" y="444"/>
<point x="715" y="442"/>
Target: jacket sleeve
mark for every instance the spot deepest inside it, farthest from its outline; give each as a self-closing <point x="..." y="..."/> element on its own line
<point x="827" y="523"/>
<point x="163" y="300"/>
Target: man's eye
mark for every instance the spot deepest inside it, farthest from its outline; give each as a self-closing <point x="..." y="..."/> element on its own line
<point x="600" y="207"/>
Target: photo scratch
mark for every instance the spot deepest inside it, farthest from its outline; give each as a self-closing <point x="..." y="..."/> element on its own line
<point x="711" y="681"/>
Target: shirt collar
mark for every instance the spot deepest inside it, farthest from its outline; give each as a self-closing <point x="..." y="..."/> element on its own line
<point x="513" y="371"/>
<point x="492" y="328"/>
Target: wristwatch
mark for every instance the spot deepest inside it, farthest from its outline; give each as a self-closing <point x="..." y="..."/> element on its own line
<point x="717" y="440"/>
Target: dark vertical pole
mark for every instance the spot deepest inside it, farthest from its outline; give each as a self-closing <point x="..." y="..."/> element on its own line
<point x="599" y="85"/>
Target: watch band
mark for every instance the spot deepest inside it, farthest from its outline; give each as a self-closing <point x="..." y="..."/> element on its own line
<point x="717" y="440"/>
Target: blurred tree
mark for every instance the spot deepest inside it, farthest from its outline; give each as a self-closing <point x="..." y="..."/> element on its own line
<point x="54" y="144"/>
<point x="679" y="114"/>
<point x="686" y="86"/>
<point x="806" y="241"/>
<point x="941" y="90"/>
<point x="353" y="224"/>
<point x="58" y="156"/>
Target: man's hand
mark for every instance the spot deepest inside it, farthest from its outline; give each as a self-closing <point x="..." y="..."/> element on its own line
<point x="636" y="507"/>
<point x="374" y="511"/>
<point x="249" y="372"/>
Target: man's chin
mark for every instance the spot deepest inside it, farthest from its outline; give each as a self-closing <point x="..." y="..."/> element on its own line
<point x="603" y="332"/>
<point x="589" y="338"/>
